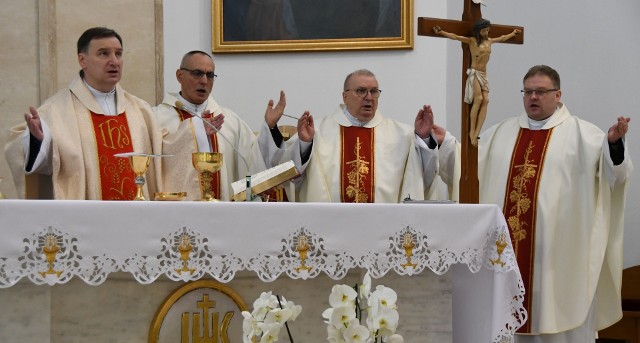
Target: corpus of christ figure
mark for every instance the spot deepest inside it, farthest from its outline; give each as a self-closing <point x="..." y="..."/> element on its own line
<point x="477" y="87"/>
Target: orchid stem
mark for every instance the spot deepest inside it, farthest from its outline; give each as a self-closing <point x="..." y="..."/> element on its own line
<point x="286" y="325"/>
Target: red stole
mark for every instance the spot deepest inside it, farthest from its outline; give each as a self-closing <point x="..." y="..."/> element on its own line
<point x="520" y="201"/>
<point x="117" y="180"/>
<point x="357" y="164"/>
<point x="213" y="138"/>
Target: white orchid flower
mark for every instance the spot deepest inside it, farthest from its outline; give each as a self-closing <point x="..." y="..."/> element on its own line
<point x="267" y="318"/>
<point x="382" y="297"/>
<point x="342" y="315"/>
<point x="342" y="295"/>
<point x="295" y="309"/>
<point x="365" y="288"/>
<point x="334" y="335"/>
<point x="277" y="316"/>
<point x="327" y="315"/>
<point x="248" y="327"/>
<point x="270" y="332"/>
<point x="386" y="322"/>
<point x="395" y="338"/>
<point x="356" y="334"/>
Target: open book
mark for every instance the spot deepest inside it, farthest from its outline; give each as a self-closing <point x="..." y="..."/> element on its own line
<point x="265" y="180"/>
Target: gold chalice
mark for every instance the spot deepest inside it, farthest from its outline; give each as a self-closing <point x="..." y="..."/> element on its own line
<point x="207" y="163"/>
<point x="139" y="164"/>
<point x="1" y="195"/>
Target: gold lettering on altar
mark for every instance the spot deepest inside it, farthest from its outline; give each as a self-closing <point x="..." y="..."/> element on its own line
<point x="520" y="197"/>
<point x="113" y="136"/>
<point x="359" y="171"/>
<point x="203" y="311"/>
<point x="212" y="332"/>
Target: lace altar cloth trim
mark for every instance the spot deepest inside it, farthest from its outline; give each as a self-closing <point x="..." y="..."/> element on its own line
<point x="54" y="254"/>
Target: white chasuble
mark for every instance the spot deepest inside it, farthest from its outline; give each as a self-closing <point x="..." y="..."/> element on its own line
<point x="73" y="154"/>
<point x="397" y="166"/>
<point x="579" y="213"/>
<point x="184" y="137"/>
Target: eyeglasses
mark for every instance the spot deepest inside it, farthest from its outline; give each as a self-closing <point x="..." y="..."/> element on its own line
<point x="537" y="92"/>
<point x="197" y="73"/>
<point x="362" y="92"/>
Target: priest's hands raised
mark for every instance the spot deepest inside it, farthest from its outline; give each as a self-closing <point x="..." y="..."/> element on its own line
<point x="216" y="121"/>
<point x="34" y="123"/>
<point x="306" y="129"/>
<point x="273" y="114"/>
<point x="424" y="122"/>
<point x="619" y="129"/>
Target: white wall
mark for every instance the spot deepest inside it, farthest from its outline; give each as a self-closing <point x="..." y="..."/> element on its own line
<point x="590" y="43"/>
<point x="312" y="81"/>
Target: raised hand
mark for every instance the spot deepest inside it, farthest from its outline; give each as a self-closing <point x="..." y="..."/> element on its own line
<point x="619" y="129"/>
<point x="306" y="129"/>
<point x="273" y="114"/>
<point x="216" y="121"/>
<point x="34" y="123"/>
<point x="439" y="132"/>
<point x="424" y="122"/>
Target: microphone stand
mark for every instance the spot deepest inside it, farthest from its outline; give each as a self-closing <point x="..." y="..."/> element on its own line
<point x="249" y="197"/>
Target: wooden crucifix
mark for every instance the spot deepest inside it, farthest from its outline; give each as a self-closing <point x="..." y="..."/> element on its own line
<point x="469" y="192"/>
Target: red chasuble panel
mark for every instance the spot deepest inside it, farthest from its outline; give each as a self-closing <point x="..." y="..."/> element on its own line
<point x="117" y="180"/>
<point x="213" y="139"/>
<point x="357" y="164"/>
<point x="520" y="202"/>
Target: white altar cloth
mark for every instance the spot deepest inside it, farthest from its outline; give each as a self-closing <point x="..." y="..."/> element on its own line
<point x="91" y="239"/>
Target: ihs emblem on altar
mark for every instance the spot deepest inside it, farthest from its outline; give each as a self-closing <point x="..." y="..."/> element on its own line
<point x="209" y="320"/>
<point x="202" y="311"/>
<point x="50" y="246"/>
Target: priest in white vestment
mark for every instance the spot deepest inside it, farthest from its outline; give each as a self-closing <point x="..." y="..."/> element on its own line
<point x="75" y="134"/>
<point x="561" y="183"/>
<point x="356" y="154"/>
<point x="186" y="134"/>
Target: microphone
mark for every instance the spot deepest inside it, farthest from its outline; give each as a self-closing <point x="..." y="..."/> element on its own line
<point x="181" y="106"/>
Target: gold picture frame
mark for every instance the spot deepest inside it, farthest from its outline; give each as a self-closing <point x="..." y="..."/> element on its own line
<point x="247" y="26"/>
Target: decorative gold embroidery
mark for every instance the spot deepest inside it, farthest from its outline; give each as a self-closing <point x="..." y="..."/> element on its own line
<point x="408" y="245"/>
<point x="185" y="247"/>
<point x="501" y="244"/>
<point x="303" y="247"/>
<point x="50" y="249"/>
<point x="520" y="199"/>
<point x="359" y="171"/>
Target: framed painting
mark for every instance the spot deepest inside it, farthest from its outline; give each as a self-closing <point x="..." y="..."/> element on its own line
<point x="310" y="25"/>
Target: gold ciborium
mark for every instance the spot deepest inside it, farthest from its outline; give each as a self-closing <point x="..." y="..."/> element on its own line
<point x="207" y="163"/>
<point x="139" y="164"/>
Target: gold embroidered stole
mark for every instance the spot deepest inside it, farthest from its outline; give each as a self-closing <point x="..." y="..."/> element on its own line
<point x="117" y="180"/>
<point x="357" y="167"/>
<point x="520" y="202"/>
<point x="213" y="138"/>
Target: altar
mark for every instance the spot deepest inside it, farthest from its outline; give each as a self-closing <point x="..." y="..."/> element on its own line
<point x="133" y="250"/>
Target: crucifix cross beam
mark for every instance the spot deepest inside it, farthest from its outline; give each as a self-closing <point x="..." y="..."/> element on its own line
<point x="469" y="187"/>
